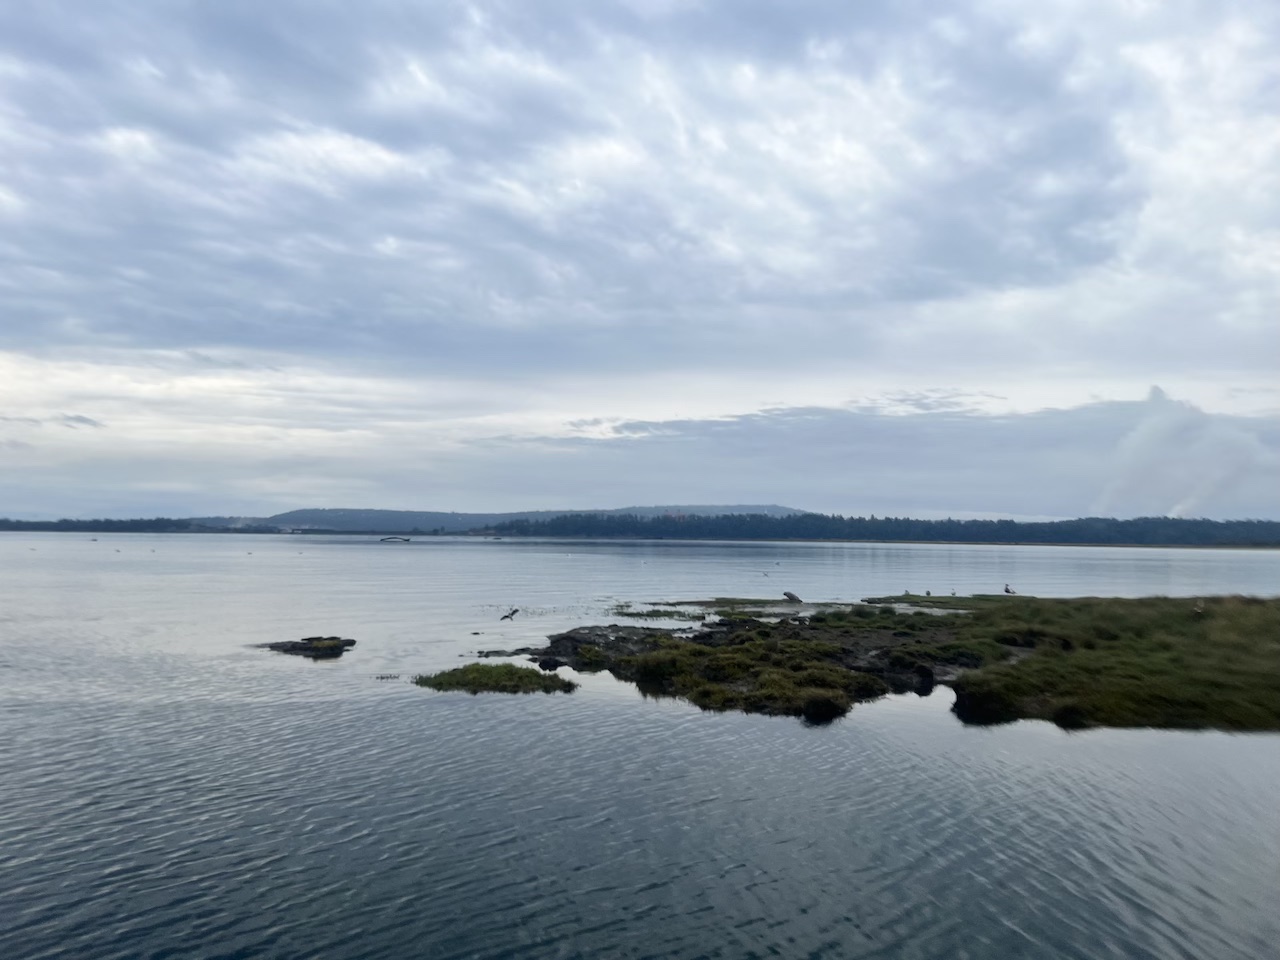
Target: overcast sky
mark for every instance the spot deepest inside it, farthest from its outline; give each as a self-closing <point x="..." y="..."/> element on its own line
<point x="885" y="257"/>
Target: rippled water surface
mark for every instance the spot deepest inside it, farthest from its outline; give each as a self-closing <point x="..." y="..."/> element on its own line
<point x="167" y="790"/>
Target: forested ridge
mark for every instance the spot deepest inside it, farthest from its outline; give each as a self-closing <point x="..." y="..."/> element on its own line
<point x="1148" y="531"/>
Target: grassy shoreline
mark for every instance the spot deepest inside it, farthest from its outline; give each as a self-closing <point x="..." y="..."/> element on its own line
<point x="1210" y="662"/>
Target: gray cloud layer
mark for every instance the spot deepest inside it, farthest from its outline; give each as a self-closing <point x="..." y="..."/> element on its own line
<point x="493" y="209"/>
<point x="918" y="456"/>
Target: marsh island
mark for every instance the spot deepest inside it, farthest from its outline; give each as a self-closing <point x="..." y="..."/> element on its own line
<point x="1149" y="662"/>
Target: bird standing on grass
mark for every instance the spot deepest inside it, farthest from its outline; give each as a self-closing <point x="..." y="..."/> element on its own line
<point x="1009" y="590"/>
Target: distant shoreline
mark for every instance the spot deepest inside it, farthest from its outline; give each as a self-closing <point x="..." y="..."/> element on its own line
<point x="648" y="524"/>
<point x="943" y="543"/>
<point x="40" y="527"/>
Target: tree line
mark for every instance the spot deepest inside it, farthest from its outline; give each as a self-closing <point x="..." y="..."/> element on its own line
<point x="1145" y="531"/>
<point x="153" y="525"/>
<point x="1141" y="531"/>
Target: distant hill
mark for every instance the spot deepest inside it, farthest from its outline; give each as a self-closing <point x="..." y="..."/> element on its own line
<point x="410" y="521"/>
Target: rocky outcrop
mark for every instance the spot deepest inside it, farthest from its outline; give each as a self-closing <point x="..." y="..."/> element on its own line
<point x="317" y="648"/>
<point x="595" y="648"/>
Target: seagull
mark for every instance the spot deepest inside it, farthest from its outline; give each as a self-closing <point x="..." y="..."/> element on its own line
<point x="1009" y="590"/>
<point x="791" y="596"/>
<point x="511" y="615"/>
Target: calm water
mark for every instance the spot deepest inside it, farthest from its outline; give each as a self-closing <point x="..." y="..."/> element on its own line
<point x="168" y="791"/>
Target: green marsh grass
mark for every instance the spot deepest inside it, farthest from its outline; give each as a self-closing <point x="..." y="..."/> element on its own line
<point x="496" y="678"/>
<point x="1150" y="662"/>
<point x="761" y="675"/>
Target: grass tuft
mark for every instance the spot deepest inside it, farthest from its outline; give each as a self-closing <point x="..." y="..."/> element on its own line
<point x="496" y="678"/>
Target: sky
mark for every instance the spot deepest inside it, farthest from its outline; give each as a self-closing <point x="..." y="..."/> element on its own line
<point x="899" y="258"/>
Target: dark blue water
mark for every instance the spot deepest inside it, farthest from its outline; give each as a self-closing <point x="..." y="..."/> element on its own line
<point x="168" y="791"/>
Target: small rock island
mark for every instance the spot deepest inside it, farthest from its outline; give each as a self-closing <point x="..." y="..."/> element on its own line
<point x="316" y="648"/>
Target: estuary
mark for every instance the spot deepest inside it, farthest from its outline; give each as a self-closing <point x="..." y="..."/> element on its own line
<point x="170" y="789"/>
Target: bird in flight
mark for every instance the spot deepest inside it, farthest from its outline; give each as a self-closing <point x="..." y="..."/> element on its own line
<point x="510" y="615"/>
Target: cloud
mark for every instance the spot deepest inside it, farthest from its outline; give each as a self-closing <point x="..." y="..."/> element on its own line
<point x="252" y="440"/>
<point x="650" y="212"/>
<point x="1181" y="460"/>
<point x="72" y="420"/>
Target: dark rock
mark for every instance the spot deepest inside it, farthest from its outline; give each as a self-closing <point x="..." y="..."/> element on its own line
<point x="550" y="663"/>
<point x="925" y="680"/>
<point x="824" y="707"/>
<point x="1070" y="716"/>
<point x="317" y="648"/>
<point x="983" y="707"/>
<point x="599" y="643"/>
